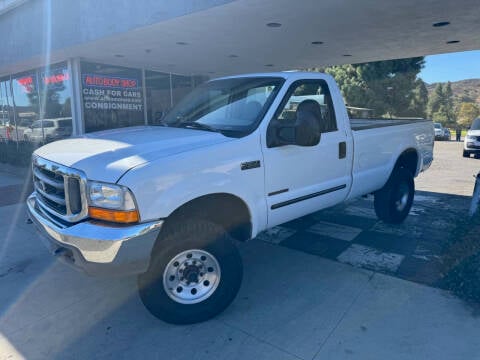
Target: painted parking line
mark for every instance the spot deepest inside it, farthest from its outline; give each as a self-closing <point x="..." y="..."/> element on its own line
<point x="335" y="231"/>
<point x="366" y="257"/>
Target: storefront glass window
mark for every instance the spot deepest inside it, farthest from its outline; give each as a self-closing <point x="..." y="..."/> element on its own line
<point x="112" y="96"/>
<point x="181" y="86"/>
<point x="27" y="106"/>
<point x="7" y="125"/>
<point x="55" y="103"/>
<point x="158" y="95"/>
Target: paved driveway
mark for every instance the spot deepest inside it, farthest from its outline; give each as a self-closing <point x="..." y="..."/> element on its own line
<point x="350" y="233"/>
<point x="292" y="305"/>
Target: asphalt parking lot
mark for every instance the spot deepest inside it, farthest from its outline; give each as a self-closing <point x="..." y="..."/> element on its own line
<point x="332" y="285"/>
<point x="350" y="233"/>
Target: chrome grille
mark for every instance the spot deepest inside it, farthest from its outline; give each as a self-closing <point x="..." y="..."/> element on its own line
<point x="60" y="190"/>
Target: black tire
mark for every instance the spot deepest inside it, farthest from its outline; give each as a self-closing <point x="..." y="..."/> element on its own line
<point x="388" y="203"/>
<point x="466" y="154"/>
<point x="197" y="235"/>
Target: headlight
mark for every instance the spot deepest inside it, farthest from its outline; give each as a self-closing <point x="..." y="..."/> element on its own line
<point x="111" y="202"/>
<point x="470" y="137"/>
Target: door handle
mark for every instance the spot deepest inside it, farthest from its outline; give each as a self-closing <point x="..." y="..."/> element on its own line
<point x="342" y="150"/>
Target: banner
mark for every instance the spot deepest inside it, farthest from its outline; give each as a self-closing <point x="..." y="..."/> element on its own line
<point x="111" y="93"/>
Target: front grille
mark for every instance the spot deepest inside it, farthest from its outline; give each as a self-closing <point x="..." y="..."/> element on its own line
<point x="60" y="190"/>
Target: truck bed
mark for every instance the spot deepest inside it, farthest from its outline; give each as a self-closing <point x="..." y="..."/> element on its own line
<point x="364" y="124"/>
<point x="377" y="143"/>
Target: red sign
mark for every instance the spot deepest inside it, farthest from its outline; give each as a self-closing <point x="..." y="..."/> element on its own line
<point x="96" y="80"/>
<point x="27" y="83"/>
<point x="55" y="79"/>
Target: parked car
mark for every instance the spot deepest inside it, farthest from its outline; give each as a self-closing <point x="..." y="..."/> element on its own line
<point x="237" y="156"/>
<point x="439" y="131"/>
<point x="53" y="129"/>
<point x="447" y="135"/>
<point x="471" y="144"/>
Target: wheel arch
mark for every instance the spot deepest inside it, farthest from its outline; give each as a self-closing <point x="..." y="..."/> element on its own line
<point x="410" y="160"/>
<point x="224" y="209"/>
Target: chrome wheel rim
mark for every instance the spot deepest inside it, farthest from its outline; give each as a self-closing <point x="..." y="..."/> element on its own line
<point x="402" y="197"/>
<point x="191" y="277"/>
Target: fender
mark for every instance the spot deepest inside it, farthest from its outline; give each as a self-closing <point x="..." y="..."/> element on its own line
<point x="162" y="186"/>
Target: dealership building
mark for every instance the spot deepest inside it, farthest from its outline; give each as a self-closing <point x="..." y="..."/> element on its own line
<point x="70" y="67"/>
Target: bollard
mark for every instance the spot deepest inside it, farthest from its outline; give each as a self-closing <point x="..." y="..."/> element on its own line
<point x="476" y="196"/>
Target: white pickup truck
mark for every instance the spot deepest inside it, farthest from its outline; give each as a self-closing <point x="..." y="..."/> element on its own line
<point x="237" y="156"/>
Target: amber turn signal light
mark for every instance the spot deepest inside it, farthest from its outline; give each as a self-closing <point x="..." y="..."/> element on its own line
<point x="117" y="216"/>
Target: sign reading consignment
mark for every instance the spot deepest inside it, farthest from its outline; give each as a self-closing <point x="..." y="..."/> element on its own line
<point x="102" y="92"/>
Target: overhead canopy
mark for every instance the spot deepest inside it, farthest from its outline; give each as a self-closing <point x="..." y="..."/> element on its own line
<point x="270" y="35"/>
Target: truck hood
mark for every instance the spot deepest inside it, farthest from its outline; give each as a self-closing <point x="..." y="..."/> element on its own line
<point x="107" y="155"/>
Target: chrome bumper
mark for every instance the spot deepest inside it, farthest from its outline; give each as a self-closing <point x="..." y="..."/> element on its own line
<point x="95" y="247"/>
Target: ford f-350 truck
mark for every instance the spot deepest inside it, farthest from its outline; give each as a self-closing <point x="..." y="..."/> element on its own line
<point x="237" y="156"/>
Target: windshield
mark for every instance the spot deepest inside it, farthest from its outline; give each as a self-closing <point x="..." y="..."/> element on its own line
<point x="475" y="124"/>
<point x="233" y="107"/>
<point x="437" y="125"/>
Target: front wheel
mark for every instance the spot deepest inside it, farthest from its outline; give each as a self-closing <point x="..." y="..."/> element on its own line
<point x="394" y="201"/>
<point x="194" y="274"/>
<point x="466" y="154"/>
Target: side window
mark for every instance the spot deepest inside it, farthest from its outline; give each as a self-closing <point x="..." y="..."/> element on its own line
<point x="303" y="92"/>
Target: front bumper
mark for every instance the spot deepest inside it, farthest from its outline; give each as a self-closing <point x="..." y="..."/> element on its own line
<point x="472" y="146"/>
<point x="95" y="247"/>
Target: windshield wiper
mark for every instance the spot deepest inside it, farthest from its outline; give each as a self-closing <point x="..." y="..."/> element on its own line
<point x="197" y="125"/>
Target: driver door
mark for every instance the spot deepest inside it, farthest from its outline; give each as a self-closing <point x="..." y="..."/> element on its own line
<point x="303" y="179"/>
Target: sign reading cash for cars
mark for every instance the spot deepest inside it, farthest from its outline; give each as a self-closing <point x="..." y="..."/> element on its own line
<point x="111" y="93"/>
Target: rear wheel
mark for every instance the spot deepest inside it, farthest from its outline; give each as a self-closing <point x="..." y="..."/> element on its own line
<point x="394" y="201"/>
<point x="194" y="274"/>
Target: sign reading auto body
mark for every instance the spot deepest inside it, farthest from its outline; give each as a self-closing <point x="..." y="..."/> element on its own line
<point x="111" y="93"/>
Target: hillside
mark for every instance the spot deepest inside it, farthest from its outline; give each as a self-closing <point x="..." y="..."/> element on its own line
<point x="464" y="90"/>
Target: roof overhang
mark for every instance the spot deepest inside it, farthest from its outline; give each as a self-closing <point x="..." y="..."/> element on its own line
<point x="235" y="38"/>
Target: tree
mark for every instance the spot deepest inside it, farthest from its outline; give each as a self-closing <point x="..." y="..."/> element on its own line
<point x="388" y="87"/>
<point x="351" y="85"/>
<point x="466" y="113"/>
<point x="441" y="105"/>
<point x="449" y="105"/>
<point x="418" y="100"/>
<point x="435" y="100"/>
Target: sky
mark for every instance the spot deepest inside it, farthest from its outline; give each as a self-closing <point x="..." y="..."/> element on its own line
<point x="451" y="67"/>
